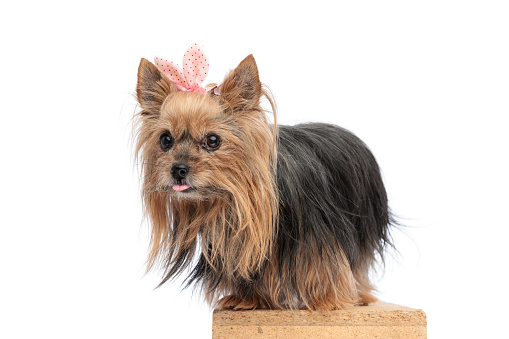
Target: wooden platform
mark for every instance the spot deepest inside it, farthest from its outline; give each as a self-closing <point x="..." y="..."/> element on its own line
<point x="378" y="320"/>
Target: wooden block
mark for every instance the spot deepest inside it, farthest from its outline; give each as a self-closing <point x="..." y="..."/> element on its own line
<point x="378" y="320"/>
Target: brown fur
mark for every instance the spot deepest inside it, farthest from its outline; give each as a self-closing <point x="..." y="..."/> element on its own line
<point x="246" y="216"/>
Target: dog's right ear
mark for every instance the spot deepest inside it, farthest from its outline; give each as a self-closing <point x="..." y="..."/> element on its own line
<point x="152" y="88"/>
<point x="242" y="87"/>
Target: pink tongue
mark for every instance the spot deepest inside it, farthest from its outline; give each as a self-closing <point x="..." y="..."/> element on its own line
<point x="180" y="187"/>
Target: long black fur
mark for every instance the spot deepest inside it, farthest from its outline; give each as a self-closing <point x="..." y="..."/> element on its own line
<point x="329" y="183"/>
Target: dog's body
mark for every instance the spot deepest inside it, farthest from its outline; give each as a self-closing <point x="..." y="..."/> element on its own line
<point x="283" y="216"/>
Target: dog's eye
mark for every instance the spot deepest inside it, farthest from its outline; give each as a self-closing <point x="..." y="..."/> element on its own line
<point x="212" y="142"/>
<point x="166" y="141"/>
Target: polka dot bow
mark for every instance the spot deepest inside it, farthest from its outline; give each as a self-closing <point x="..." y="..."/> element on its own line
<point x="194" y="71"/>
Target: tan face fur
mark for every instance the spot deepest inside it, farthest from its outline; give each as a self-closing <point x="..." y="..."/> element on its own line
<point x="231" y="202"/>
<point x="189" y="118"/>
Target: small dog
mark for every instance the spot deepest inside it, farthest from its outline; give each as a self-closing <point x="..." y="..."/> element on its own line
<point x="262" y="215"/>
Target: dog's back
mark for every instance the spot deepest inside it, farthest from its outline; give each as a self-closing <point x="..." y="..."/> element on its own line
<point x="333" y="215"/>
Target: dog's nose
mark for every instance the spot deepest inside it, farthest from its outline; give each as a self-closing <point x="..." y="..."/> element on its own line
<point x="179" y="171"/>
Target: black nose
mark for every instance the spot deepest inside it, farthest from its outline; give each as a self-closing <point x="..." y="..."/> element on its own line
<point x="179" y="171"/>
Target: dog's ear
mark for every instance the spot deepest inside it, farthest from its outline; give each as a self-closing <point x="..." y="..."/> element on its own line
<point x="242" y="88"/>
<point x="152" y="88"/>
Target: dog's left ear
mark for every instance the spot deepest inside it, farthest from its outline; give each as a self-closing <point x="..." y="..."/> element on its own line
<point x="242" y="88"/>
<point x="152" y="88"/>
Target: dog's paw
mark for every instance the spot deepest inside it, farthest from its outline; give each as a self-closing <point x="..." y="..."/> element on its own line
<point x="366" y="298"/>
<point x="235" y="303"/>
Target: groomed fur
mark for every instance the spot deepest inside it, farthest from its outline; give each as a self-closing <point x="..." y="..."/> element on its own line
<point x="302" y="234"/>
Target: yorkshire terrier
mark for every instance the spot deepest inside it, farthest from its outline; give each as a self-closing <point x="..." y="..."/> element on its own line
<point x="260" y="215"/>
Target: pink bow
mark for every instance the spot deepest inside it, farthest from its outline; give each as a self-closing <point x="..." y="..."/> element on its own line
<point x="196" y="67"/>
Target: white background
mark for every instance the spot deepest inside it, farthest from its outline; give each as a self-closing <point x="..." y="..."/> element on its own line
<point x="424" y="84"/>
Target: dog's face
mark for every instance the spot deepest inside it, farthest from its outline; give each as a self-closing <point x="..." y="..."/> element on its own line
<point x="191" y="146"/>
<point x="200" y="146"/>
